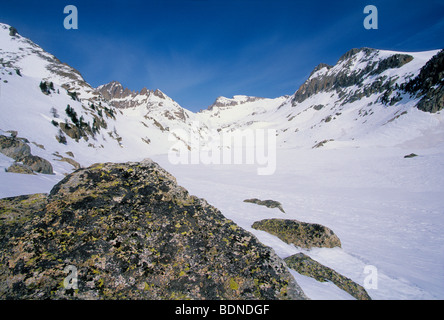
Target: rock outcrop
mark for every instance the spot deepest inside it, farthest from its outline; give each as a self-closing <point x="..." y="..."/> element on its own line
<point x="325" y="78"/>
<point x="120" y="97"/>
<point x="301" y="234"/>
<point x="429" y="85"/>
<point x="231" y="102"/>
<point x="267" y="203"/>
<point x="131" y="232"/>
<point x="305" y="265"/>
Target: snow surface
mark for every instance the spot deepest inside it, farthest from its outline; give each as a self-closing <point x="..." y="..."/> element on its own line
<point x="387" y="211"/>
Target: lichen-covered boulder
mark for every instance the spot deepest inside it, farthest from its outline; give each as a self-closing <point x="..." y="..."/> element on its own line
<point x="305" y="265"/>
<point x="37" y="164"/>
<point x="14" y="148"/>
<point x="301" y="234"/>
<point x="19" y="150"/>
<point x="130" y="232"/>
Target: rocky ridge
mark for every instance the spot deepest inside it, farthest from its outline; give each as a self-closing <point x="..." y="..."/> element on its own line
<point x="221" y="102"/>
<point x="352" y="69"/>
<point x="123" y="98"/>
<point x="429" y="85"/>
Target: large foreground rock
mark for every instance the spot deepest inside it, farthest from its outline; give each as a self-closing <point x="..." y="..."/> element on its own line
<point x="131" y="233"/>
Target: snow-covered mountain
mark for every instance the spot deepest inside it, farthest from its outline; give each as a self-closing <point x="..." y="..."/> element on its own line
<point x="49" y="103"/>
<point x="341" y="139"/>
<point x="361" y="97"/>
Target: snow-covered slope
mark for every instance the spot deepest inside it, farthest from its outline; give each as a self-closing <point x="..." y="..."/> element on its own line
<point x="360" y="98"/>
<point x="49" y="103"/>
<point x="341" y="141"/>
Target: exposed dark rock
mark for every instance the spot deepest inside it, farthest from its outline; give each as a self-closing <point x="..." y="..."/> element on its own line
<point x="37" y="164"/>
<point x="72" y="162"/>
<point x="267" y="203"/>
<point x="14" y="148"/>
<point x="17" y="212"/>
<point x="343" y="78"/>
<point x="301" y="234"/>
<point x="132" y="233"/>
<point x="411" y="155"/>
<point x="305" y="265"/>
<point x="322" y="143"/>
<point x="392" y="62"/>
<point x="225" y="102"/>
<point x="429" y="84"/>
<point x="124" y="98"/>
<point x="350" y="53"/>
<point x="320" y="67"/>
<point x="19" y="168"/>
<point x="13" y="31"/>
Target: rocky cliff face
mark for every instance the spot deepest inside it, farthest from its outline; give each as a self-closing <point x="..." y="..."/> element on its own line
<point x="131" y="233"/>
<point x="352" y="69"/>
<point x="121" y="97"/>
<point x="429" y="85"/>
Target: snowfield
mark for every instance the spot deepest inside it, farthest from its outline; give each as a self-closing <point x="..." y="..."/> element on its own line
<point x="387" y="211"/>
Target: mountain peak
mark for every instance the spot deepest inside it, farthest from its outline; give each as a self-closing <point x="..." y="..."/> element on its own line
<point x="22" y="54"/>
<point x="354" y="51"/>
<point x="119" y="96"/>
<point x="222" y="101"/>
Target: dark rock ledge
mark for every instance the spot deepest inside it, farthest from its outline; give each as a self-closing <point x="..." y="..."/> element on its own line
<point x="267" y="203"/>
<point x="305" y="265"/>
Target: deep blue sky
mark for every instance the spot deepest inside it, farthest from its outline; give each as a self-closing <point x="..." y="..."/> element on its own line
<point x="197" y="50"/>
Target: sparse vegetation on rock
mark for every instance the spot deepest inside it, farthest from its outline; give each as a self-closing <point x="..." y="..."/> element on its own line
<point x="301" y="234"/>
<point x="305" y="265"/>
<point x="429" y="85"/>
<point x="132" y="233"/>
